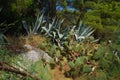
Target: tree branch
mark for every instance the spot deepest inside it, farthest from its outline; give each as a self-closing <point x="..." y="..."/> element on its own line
<point x="5" y="67"/>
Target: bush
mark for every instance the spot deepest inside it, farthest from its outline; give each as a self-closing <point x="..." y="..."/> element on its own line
<point x="104" y="17"/>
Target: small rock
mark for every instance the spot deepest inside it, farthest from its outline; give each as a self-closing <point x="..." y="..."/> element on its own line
<point x="34" y="54"/>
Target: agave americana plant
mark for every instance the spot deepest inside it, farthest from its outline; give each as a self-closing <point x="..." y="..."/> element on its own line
<point x="36" y="26"/>
<point x="82" y="32"/>
<point x="52" y="27"/>
<point x="54" y="31"/>
<point x="3" y="39"/>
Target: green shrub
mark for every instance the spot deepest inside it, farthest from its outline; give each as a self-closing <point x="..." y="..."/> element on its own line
<point x="19" y="6"/>
<point x="89" y="4"/>
<point x="104" y="18"/>
<point x="5" y="55"/>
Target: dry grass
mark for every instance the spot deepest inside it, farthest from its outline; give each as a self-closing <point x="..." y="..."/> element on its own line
<point x="34" y="40"/>
<point x="17" y="43"/>
<point x="58" y="75"/>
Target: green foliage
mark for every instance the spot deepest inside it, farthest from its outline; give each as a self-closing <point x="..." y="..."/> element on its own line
<point x="87" y="69"/>
<point x="75" y="45"/>
<point x="89" y="4"/>
<point x="106" y="60"/>
<point x="118" y="40"/>
<point x="94" y="21"/>
<point x="100" y="53"/>
<point x="7" y="75"/>
<point x="43" y="71"/>
<point x="36" y="26"/>
<point x="82" y="32"/>
<point x="79" y="66"/>
<point x="5" y="55"/>
<point x="78" y="3"/>
<point x="20" y="6"/>
<point x="59" y="35"/>
<point x="55" y="32"/>
<point x="39" y="68"/>
<point x="104" y="18"/>
<point x="63" y="3"/>
<point x="3" y="39"/>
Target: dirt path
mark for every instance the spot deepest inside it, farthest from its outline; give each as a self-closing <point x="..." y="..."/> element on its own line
<point x="58" y="75"/>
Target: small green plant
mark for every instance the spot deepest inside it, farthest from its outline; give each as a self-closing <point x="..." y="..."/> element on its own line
<point x="82" y="32"/>
<point x="108" y="61"/>
<point x="3" y="39"/>
<point x="42" y="70"/>
<point x="55" y="32"/>
<point x="78" y="67"/>
<point x="36" y="26"/>
<point x="5" y="54"/>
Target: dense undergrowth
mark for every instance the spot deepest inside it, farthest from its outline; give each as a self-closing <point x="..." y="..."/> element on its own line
<point x="78" y="56"/>
<point x="86" y="61"/>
